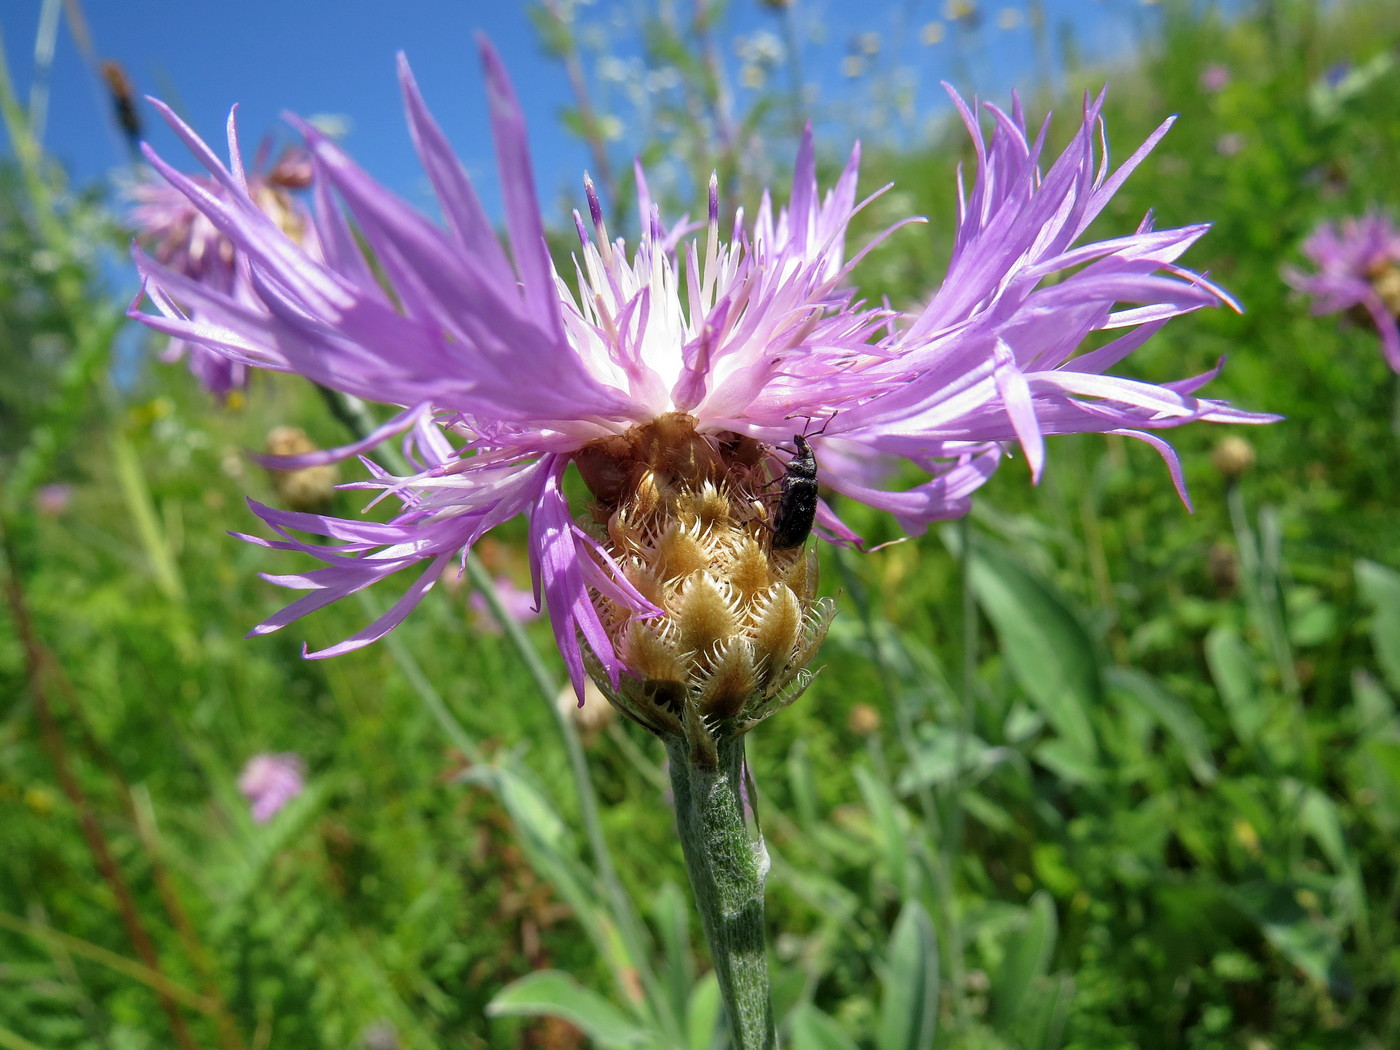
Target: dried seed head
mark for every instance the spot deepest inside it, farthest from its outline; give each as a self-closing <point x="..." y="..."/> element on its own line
<point x="686" y="517"/>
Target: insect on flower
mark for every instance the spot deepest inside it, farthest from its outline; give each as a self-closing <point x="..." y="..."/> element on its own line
<point x="797" y="506"/>
<point x="797" y="502"/>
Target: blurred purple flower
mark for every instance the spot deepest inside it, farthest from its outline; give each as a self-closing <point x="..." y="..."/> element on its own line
<point x="505" y="374"/>
<point x="170" y="226"/>
<point x="269" y="782"/>
<point x="1215" y="77"/>
<point x="53" y="500"/>
<point x="519" y="605"/>
<point x="1336" y="73"/>
<point x="1229" y="144"/>
<point x="1358" y="270"/>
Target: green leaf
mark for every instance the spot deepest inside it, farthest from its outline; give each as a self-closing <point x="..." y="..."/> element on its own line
<point x="1181" y="723"/>
<point x="703" y="1013"/>
<point x="1067" y="761"/>
<point x="1373" y="767"/>
<point x="1320" y="818"/>
<point x="1232" y="666"/>
<point x="1372" y="709"/>
<point x="1306" y="940"/>
<point x="802" y="784"/>
<point x="892" y="832"/>
<point x="909" y="1010"/>
<point x="671" y="909"/>
<point x="940" y="756"/>
<point x="1042" y="1021"/>
<point x="532" y="812"/>
<point x="808" y="1027"/>
<point x="1045" y="644"/>
<point x="549" y="993"/>
<point x="1027" y="958"/>
<point x="1380" y="587"/>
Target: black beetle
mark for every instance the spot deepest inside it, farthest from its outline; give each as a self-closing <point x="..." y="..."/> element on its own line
<point x="797" y="505"/>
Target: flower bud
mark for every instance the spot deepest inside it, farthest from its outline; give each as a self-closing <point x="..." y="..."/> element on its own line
<point x="1232" y="456"/>
<point x="306" y="488"/>
<point x="863" y="720"/>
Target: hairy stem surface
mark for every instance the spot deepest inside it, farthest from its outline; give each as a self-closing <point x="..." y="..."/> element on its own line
<point x="727" y="867"/>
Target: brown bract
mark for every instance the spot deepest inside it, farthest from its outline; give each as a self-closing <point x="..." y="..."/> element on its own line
<point x="682" y="514"/>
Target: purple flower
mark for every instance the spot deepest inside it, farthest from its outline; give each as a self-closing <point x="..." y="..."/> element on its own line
<point x="174" y="231"/>
<point x="269" y="782"/>
<point x="1215" y="77"/>
<point x="1358" y="269"/>
<point x="674" y="372"/>
<point x="519" y="604"/>
<point x="53" y="500"/>
<point x="1229" y="144"/>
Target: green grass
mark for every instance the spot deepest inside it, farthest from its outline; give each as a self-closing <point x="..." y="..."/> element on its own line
<point x="1172" y="824"/>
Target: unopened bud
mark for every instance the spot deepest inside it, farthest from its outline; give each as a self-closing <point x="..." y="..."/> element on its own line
<point x="1233" y="455"/>
<point x="863" y="720"/>
<point x="304" y="488"/>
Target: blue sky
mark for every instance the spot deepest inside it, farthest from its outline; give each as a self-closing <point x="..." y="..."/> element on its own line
<point x="316" y="57"/>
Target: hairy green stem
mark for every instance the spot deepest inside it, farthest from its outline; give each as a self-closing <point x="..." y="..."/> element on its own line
<point x="727" y="867"/>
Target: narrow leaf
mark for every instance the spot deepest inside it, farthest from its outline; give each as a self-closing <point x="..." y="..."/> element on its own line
<point x="549" y="993"/>
<point x="1046" y="646"/>
<point x="808" y="1027"/>
<point x="1232" y="668"/>
<point x="1027" y="958"/>
<point x="909" y="1011"/>
<point x="1181" y="723"/>
<point x="1380" y="587"/>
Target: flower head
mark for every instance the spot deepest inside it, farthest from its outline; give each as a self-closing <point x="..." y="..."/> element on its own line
<point x="174" y="230"/>
<point x="674" y="376"/>
<point x="269" y="782"/>
<point x="1358" y="269"/>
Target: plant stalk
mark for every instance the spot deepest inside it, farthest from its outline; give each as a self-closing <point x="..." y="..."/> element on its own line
<point x="727" y="867"/>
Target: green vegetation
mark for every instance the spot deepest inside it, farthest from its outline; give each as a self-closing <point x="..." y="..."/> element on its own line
<point x="1144" y="792"/>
